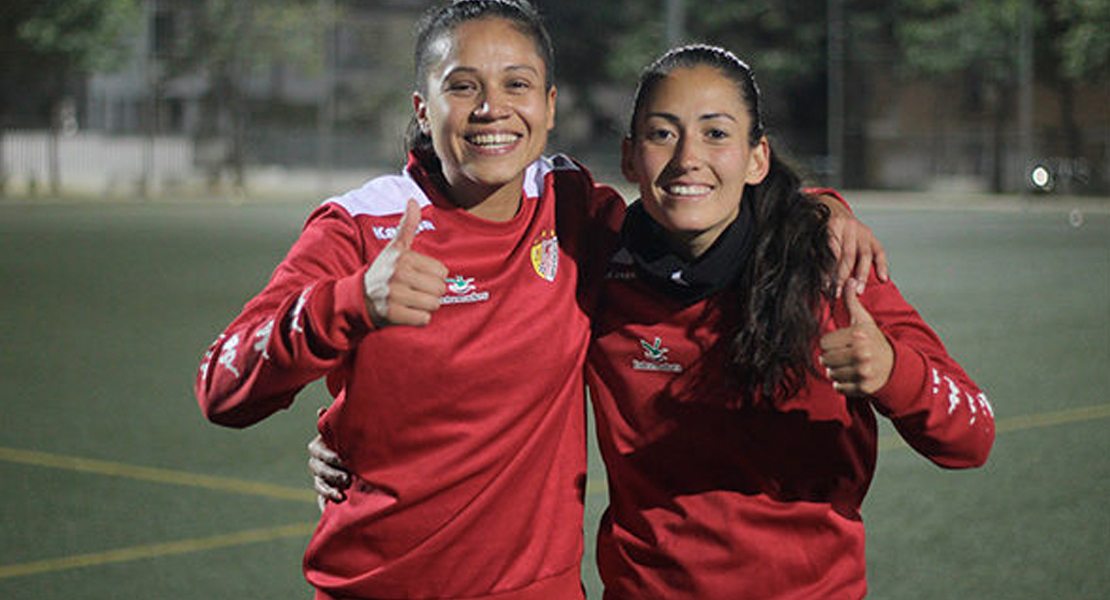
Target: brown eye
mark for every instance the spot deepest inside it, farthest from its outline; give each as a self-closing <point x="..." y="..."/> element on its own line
<point x="461" y="87"/>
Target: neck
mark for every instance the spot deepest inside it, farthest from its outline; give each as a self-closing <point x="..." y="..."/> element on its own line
<point x="690" y="246"/>
<point x="498" y="204"/>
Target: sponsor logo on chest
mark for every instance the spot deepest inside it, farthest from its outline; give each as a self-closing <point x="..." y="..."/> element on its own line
<point x="462" y="290"/>
<point x="655" y="358"/>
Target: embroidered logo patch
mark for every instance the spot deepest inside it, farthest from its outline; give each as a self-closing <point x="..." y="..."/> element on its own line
<point x="461" y="290"/>
<point x="656" y="356"/>
<point x="621" y="266"/>
<point x="545" y="255"/>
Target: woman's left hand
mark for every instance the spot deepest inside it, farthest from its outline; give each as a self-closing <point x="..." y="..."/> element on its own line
<point x="857" y="358"/>
<point x="854" y="245"/>
<point x="329" y="476"/>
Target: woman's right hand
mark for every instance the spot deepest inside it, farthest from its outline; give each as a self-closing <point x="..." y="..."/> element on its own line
<point x="329" y="477"/>
<point x="404" y="287"/>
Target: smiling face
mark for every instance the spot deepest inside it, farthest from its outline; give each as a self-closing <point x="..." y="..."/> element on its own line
<point x="691" y="157"/>
<point x="487" y="109"/>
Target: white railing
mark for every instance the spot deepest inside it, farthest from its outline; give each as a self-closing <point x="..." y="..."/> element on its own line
<point x="89" y="162"/>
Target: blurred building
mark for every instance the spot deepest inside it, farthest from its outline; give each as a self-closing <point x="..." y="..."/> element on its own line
<point x="155" y="121"/>
<point x="357" y="98"/>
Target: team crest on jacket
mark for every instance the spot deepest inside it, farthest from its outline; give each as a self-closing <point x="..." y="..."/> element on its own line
<point x="545" y="255"/>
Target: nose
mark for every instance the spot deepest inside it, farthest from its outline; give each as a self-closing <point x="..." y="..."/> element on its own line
<point x="688" y="153"/>
<point x="491" y="106"/>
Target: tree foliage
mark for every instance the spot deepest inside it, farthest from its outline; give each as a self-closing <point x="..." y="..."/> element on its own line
<point x="224" y="42"/>
<point x="212" y="35"/>
<point x="1084" y="43"/>
<point x="84" y="35"/>
<point x="45" y="45"/>
<point x="605" y="43"/>
<point x="940" y="37"/>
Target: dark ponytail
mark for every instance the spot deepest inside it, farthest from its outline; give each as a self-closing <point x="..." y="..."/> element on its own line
<point x="782" y="289"/>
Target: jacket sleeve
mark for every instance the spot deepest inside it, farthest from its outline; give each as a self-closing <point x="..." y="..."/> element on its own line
<point x="297" y="329"/>
<point x="936" y="408"/>
<point x="817" y="192"/>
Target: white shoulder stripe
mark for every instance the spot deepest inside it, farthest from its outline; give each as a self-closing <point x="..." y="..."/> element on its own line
<point x="387" y="195"/>
<point x="539" y="170"/>
<point x="381" y="197"/>
<point x="562" y="162"/>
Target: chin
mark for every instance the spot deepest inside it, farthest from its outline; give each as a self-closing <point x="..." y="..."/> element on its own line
<point x="496" y="177"/>
<point x="678" y="222"/>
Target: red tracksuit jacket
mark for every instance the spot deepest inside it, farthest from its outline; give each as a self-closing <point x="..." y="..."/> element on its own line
<point x="466" y="438"/>
<point x="710" y="500"/>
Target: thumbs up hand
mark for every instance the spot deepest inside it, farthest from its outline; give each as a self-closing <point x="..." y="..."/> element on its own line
<point x="858" y="358"/>
<point x="403" y="287"/>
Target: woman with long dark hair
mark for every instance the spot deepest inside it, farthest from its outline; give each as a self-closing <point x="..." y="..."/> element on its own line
<point x="735" y="394"/>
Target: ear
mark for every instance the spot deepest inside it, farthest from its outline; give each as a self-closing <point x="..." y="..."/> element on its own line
<point x="628" y="163"/>
<point x="759" y="162"/>
<point x="420" y="110"/>
<point x="552" y="94"/>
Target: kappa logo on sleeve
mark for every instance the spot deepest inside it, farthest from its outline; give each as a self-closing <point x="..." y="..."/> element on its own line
<point x="387" y="233"/>
<point x="229" y="353"/>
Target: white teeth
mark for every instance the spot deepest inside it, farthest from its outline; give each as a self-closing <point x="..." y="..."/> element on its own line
<point x="688" y="190"/>
<point x="492" y="139"/>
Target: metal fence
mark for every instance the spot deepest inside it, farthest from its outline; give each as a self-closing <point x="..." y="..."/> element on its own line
<point x="41" y="162"/>
<point x="283" y="162"/>
<point x="95" y="164"/>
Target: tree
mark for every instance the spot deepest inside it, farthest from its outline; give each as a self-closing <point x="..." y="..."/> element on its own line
<point x="603" y="44"/>
<point x="786" y="45"/>
<point x="1084" y="39"/>
<point x="46" y="46"/>
<point x="225" y="41"/>
<point x="979" y="42"/>
<point x="1078" y="54"/>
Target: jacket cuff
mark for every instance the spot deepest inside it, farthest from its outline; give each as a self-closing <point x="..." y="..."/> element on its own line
<point x="906" y="382"/>
<point x="350" y="299"/>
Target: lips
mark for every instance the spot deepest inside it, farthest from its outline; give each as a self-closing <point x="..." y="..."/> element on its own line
<point x="687" y="189"/>
<point x="493" y="142"/>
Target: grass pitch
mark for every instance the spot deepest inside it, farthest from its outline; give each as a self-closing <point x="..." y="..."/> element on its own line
<point x="117" y="488"/>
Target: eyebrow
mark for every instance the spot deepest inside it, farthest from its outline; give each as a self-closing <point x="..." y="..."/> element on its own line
<point x="510" y="68"/>
<point x="706" y="117"/>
